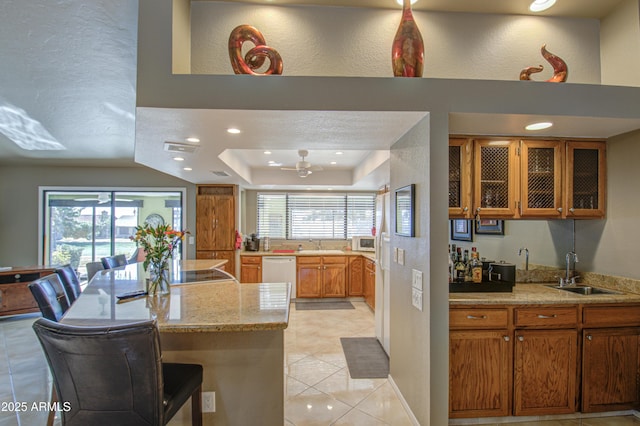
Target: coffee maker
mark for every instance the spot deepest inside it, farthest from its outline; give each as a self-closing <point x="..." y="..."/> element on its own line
<point x="252" y="244"/>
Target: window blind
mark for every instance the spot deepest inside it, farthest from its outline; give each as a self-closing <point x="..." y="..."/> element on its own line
<point x="315" y="216"/>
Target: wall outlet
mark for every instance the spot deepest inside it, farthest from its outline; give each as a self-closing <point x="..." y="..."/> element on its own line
<point x="416" y="298"/>
<point x="401" y="256"/>
<point x="395" y="254"/>
<point x="416" y="279"/>
<point x="192" y="240"/>
<point x="208" y="402"/>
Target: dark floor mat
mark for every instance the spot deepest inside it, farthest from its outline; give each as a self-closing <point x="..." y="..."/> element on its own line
<point x="365" y="358"/>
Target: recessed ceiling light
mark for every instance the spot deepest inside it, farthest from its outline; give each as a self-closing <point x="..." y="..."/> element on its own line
<point x="400" y="2"/>
<point x="274" y="164"/>
<point x="334" y="162"/>
<point x="540" y="5"/>
<point x="193" y="140"/>
<point x="188" y="169"/>
<point x="539" y="126"/>
<point x="233" y="130"/>
<point x="329" y="189"/>
<point x="267" y="153"/>
<point x="339" y="153"/>
<point x="178" y="158"/>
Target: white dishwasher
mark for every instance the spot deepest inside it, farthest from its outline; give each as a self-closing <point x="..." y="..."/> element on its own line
<point x="280" y="269"/>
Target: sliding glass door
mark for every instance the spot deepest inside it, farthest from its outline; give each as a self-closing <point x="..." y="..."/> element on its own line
<point x="83" y="226"/>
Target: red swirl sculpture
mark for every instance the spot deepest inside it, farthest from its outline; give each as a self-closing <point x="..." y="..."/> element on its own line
<point x="255" y="57"/>
<point x="560" y="69"/>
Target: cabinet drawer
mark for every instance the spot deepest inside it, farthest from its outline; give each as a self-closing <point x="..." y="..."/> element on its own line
<point x="19" y="278"/>
<point x="555" y="317"/>
<point x="251" y="260"/>
<point x="610" y="316"/>
<point x="340" y="260"/>
<point x="309" y="260"/>
<point x="478" y="318"/>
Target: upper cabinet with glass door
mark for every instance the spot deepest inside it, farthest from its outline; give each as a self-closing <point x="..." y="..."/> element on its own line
<point x="541" y="176"/>
<point x="585" y="180"/>
<point x="460" y="171"/>
<point x="495" y="184"/>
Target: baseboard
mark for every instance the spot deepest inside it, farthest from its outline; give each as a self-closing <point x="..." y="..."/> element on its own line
<point x="403" y="401"/>
<point x="514" y="419"/>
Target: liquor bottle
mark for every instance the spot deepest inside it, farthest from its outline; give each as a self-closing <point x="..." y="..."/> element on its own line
<point x="467" y="267"/>
<point x="451" y="266"/>
<point x="460" y="267"/>
<point x="476" y="268"/>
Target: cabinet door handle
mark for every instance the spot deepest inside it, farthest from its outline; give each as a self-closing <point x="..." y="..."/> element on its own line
<point x="559" y="209"/>
<point x="547" y="316"/>
<point x="506" y="338"/>
<point x="258" y="267"/>
<point x="589" y="337"/>
<point x="572" y="210"/>
<point x="520" y="339"/>
<point x="324" y="267"/>
<point x="476" y="317"/>
<point x="466" y="209"/>
<point x="318" y="268"/>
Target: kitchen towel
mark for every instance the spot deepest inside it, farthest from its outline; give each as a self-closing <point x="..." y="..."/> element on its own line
<point x="365" y="358"/>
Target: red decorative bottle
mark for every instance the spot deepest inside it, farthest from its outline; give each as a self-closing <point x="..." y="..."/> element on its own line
<point x="407" y="51"/>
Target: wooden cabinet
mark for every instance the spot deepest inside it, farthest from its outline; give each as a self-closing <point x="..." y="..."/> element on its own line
<point x="15" y="296"/>
<point x="480" y="363"/>
<point x="460" y="171"/>
<point x="528" y="178"/>
<point x="545" y="360"/>
<point x="586" y="179"/>
<point x="545" y="364"/>
<point x="369" y="283"/>
<point x="495" y="183"/>
<point x="541" y="178"/>
<point x="215" y="223"/>
<point x="251" y="269"/>
<point x="610" y="369"/>
<point x="355" y="286"/>
<point x="610" y="358"/>
<point x="324" y="276"/>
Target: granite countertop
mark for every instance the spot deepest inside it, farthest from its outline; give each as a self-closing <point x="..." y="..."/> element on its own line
<point x="538" y="294"/>
<point x="192" y="307"/>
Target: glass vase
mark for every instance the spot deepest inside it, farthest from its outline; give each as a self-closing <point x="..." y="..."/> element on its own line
<point x="158" y="278"/>
<point x="407" y="51"/>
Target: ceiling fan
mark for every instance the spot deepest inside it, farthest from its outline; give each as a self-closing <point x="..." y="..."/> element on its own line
<point x="303" y="168"/>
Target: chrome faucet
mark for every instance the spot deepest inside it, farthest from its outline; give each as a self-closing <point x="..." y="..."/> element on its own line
<point x="568" y="279"/>
<point x="319" y="246"/>
<point x="526" y="257"/>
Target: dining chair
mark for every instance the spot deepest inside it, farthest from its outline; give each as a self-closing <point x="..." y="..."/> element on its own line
<point x="111" y="262"/>
<point x="50" y="296"/>
<point x="114" y="374"/>
<point x="70" y="282"/>
<point x="93" y="268"/>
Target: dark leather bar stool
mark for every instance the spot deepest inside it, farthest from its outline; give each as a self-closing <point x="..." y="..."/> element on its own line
<point x="111" y="262"/>
<point x="114" y="375"/>
<point x="93" y="268"/>
<point x="70" y="282"/>
<point x="50" y="296"/>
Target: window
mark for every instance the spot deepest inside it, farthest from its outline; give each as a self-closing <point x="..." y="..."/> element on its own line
<point x="315" y="216"/>
<point x="82" y="226"/>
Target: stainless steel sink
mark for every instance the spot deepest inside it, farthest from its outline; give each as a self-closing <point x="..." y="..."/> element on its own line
<point x="584" y="289"/>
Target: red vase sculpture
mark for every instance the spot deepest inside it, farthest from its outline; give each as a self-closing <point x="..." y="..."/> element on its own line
<point x="407" y="51"/>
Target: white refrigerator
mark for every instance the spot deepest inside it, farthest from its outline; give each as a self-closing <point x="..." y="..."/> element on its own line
<point x="383" y="265"/>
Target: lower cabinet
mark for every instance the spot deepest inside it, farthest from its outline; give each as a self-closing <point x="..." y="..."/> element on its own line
<point x="545" y="372"/>
<point x="369" y="283"/>
<point x="480" y="362"/>
<point x="355" y="284"/>
<point x="250" y="269"/>
<point x="610" y="358"/>
<point x="324" y="276"/>
<point x="610" y="369"/>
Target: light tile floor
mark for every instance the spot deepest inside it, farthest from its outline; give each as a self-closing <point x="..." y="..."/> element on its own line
<point x="318" y="390"/>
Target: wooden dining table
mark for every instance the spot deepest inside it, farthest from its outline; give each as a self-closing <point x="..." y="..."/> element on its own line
<point x="236" y="331"/>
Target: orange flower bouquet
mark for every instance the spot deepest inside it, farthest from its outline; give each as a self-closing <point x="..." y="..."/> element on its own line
<point x="159" y="244"/>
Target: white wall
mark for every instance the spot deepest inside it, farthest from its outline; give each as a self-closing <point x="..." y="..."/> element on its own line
<point x="620" y="45"/>
<point x="343" y="41"/>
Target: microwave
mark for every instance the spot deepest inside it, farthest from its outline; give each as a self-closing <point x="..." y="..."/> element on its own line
<point x="363" y="243"/>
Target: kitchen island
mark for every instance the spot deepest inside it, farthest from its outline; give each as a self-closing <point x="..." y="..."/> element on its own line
<point x="235" y="331"/>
